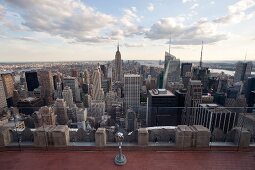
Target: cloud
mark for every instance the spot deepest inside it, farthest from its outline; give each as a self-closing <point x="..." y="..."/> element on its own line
<point x="128" y="24"/>
<point x="202" y="30"/>
<point x="237" y="12"/>
<point x="3" y="36"/>
<point x="185" y="1"/>
<point x="194" y="6"/>
<point x="150" y="7"/>
<point x="212" y="2"/>
<point x="30" y="39"/>
<point x="134" y="45"/>
<point x="69" y="19"/>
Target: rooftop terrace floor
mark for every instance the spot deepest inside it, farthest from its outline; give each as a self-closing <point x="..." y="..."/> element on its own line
<point x="142" y="160"/>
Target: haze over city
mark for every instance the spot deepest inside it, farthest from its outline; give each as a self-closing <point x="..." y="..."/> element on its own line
<point x="46" y="30"/>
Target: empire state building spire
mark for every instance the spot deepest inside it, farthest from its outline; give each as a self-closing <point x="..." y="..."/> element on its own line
<point x="118" y="65"/>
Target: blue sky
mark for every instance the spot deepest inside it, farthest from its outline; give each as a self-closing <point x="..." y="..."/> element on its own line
<point x="52" y="30"/>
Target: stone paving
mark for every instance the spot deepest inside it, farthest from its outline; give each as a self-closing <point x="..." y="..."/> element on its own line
<point x="140" y="160"/>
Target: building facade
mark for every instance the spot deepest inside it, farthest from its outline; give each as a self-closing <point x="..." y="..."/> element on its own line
<point x="68" y="96"/>
<point x="60" y="110"/>
<point x="172" y="68"/>
<point x="72" y="82"/>
<point x="132" y="85"/>
<point x="32" y="80"/>
<point x="192" y="99"/>
<point x="214" y="116"/>
<point x="47" y="85"/>
<point x="185" y="67"/>
<point x="243" y="71"/>
<point x="48" y="116"/>
<point x="162" y="108"/>
<point x="97" y="91"/>
<point x="3" y="103"/>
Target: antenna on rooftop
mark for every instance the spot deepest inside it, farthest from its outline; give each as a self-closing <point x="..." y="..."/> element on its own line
<point x="170" y="41"/>
<point x="245" y="56"/>
<point x="201" y="57"/>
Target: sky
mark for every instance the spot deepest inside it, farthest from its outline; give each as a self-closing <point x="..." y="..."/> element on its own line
<point x="71" y="30"/>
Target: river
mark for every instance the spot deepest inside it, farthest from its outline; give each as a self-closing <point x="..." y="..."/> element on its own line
<point x="232" y="73"/>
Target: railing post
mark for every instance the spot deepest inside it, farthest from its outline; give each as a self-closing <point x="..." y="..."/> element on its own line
<point x="143" y="137"/>
<point x="100" y="137"/>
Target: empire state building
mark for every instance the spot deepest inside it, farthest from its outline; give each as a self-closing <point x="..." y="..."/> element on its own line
<point x="118" y="65"/>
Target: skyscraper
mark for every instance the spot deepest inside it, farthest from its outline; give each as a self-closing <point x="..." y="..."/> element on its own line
<point x="250" y="87"/>
<point x="118" y="65"/>
<point x="160" y="80"/>
<point x="61" y="111"/>
<point x="214" y="116"/>
<point x="32" y="80"/>
<point x="8" y="84"/>
<point x="131" y="120"/>
<point x="97" y="105"/>
<point x="106" y="85"/>
<point x="201" y="73"/>
<point x="172" y="68"/>
<point x="192" y="100"/>
<point x="243" y="71"/>
<point x="59" y="90"/>
<point x="132" y="83"/>
<point x="185" y="67"/>
<point x="97" y="91"/>
<point x="86" y="77"/>
<point x="47" y="86"/>
<point x="48" y="116"/>
<point x="103" y="70"/>
<point x="3" y="103"/>
<point x="72" y="82"/>
<point x="161" y="108"/>
<point x="68" y="96"/>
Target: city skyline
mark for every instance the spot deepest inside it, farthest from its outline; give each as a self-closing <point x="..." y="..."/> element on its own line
<point x="90" y="30"/>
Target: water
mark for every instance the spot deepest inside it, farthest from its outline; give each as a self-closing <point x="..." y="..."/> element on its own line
<point x="231" y="73"/>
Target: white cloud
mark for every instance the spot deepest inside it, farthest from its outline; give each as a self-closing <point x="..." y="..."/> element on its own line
<point x="194" y="6"/>
<point x="31" y="39"/>
<point x="212" y="2"/>
<point x="185" y="1"/>
<point x="134" y="45"/>
<point x="183" y="34"/>
<point x="129" y="23"/>
<point x="150" y="7"/>
<point x="70" y="19"/>
<point x="237" y="12"/>
<point x="134" y="8"/>
<point x="241" y="6"/>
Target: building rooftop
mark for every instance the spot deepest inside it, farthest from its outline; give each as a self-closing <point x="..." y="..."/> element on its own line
<point x="195" y="82"/>
<point x="29" y="99"/>
<point x="69" y="78"/>
<point x="131" y="75"/>
<point x="214" y="107"/>
<point x="143" y="160"/>
<point x="160" y="92"/>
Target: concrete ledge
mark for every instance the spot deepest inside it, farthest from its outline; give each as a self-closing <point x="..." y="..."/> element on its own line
<point x="143" y="137"/>
<point x="100" y="137"/>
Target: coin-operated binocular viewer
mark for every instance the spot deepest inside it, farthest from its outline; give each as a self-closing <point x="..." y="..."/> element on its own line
<point x="120" y="158"/>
